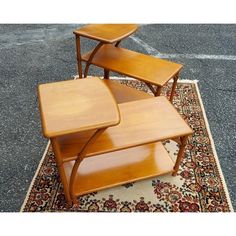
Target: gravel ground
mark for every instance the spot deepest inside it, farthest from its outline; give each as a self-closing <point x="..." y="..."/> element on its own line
<point x="34" y="54"/>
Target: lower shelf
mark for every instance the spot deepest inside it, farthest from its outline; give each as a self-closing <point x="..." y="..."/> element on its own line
<point x="120" y="167"/>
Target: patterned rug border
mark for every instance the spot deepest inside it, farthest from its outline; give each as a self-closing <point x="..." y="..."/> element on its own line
<point x="208" y="131"/>
<point x="214" y="149"/>
<point x="34" y="178"/>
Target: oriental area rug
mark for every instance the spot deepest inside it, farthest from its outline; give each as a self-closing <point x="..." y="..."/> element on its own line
<point x="198" y="187"/>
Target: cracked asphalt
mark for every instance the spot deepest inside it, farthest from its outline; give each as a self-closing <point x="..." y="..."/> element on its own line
<point x="35" y="54"/>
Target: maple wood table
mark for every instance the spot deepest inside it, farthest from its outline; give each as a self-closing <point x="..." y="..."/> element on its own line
<point x="153" y="71"/>
<point x="105" y="34"/>
<point x="99" y="143"/>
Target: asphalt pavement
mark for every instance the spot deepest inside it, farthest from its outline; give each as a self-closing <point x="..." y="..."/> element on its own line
<point x="35" y="54"/>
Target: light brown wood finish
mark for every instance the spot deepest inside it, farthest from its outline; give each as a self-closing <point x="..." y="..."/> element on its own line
<point x="78" y="161"/>
<point x="143" y="121"/>
<point x="106" y="33"/>
<point x="72" y="106"/>
<point x="123" y="93"/>
<point x="112" y="169"/>
<point x="136" y="65"/>
<point x="106" y="72"/>
<point x="89" y="131"/>
<point x="151" y="70"/>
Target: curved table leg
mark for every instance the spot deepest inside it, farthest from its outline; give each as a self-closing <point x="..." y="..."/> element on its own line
<point x="91" y="58"/>
<point x="79" y="159"/>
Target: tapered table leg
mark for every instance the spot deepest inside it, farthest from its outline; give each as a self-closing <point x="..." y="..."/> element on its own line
<point x="106" y="74"/>
<point x="173" y="87"/>
<point x="59" y="161"/>
<point x="180" y="155"/>
<point x="78" y="52"/>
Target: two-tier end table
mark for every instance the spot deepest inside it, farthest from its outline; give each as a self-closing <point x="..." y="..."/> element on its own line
<point x="108" y="55"/>
<point x="100" y="144"/>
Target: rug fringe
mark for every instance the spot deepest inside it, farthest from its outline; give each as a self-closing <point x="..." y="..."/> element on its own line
<point x="35" y="175"/>
<point x="214" y="150"/>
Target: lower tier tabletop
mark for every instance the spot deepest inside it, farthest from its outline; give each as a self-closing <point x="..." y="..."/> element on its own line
<point x="120" y="167"/>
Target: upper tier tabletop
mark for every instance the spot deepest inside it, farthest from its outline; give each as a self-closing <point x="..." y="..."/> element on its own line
<point x="76" y="105"/>
<point x="143" y="121"/>
<point x="143" y="67"/>
<point x="107" y="33"/>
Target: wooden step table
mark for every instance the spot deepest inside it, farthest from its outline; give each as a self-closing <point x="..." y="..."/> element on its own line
<point x="99" y="144"/>
<point x="107" y="55"/>
<point x="105" y="34"/>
